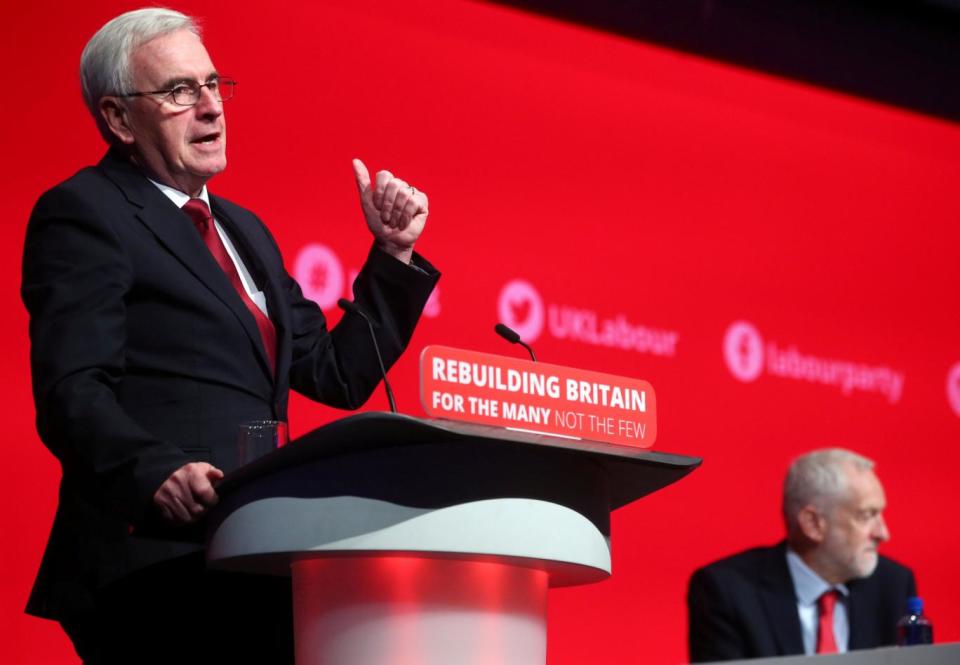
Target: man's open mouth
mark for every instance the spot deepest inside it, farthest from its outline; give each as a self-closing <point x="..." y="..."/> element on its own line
<point x="207" y="138"/>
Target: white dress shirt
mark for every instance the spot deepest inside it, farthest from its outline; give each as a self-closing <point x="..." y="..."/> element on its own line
<point x="180" y="199"/>
<point x="809" y="587"/>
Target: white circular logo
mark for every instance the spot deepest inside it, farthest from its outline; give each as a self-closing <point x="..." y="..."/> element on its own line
<point x="521" y="308"/>
<point x="953" y="388"/>
<point x="320" y="274"/>
<point x="743" y="351"/>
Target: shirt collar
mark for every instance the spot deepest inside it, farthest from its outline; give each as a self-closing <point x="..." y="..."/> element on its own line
<point x="808" y="585"/>
<point x="178" y="197"/>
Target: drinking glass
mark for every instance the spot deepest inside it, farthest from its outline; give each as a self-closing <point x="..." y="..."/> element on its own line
<point x="260" y="437"/>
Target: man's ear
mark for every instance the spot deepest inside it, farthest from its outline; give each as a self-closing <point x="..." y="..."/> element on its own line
<point x="114" y="113"/>
<point x="812" y="523"/>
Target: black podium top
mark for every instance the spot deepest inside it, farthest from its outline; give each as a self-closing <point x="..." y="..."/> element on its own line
<point x="628" y="473"/>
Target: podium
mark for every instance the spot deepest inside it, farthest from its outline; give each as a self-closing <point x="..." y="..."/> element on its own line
<point x="428" y="542"/>
<point x="928" y="654"/>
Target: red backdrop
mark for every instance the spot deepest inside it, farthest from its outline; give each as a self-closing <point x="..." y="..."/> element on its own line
<point x="620" y="180"/>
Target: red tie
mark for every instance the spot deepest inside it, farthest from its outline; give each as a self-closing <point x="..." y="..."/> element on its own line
<point x="826" y="642"/>
<point x="200" y="214"/>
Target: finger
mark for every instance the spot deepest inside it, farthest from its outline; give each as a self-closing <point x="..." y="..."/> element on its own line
<point x="202" y="492"/>
<point x="180" y="512"/>
<point x="191" y="479"/>
<point x="209" y="470"/>
<point x="399" y="205"/>
<point x="409" y="211"/>
<point x="383" y="178"/>
<point x="190" y="499"/>
<point x="162" y="498"/>
<point x="362" y="175"/>
<point x="390" y="199"/>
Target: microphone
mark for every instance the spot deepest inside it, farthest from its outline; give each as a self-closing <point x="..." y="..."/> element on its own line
<point x="511" y="336"/>
<point x="349" y="306"/>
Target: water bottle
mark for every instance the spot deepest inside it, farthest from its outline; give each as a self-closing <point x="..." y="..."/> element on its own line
<point x="914" y="627"/>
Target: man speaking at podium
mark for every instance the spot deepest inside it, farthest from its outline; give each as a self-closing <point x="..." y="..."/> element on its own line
<point x="161" y="317"/>
<point x="825" y="590"/>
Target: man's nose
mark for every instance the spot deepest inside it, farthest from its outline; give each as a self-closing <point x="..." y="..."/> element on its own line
<point x="880" y="530"/>
<point x="209" y="104"/>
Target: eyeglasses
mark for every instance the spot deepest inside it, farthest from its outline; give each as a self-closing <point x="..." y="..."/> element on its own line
<point x="188" y="92"/>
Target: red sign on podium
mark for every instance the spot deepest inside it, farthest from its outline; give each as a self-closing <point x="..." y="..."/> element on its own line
<point x="537" y="397"/>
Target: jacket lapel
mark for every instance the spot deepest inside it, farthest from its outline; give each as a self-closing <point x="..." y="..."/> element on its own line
<point x="174" y="230"/>
<point x="780" y="602"/>
<point x="861" y="609"/>
<point x="246" y="242"/>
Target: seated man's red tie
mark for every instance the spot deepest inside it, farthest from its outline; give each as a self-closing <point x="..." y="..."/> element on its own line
<point x="826" y="642"/>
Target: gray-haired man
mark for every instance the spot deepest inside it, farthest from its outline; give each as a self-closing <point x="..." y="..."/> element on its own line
<point x="824" y="590"/>
<point x="162" y="317"/>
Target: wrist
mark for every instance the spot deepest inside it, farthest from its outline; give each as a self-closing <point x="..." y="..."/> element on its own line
<point x="403" y="254"/>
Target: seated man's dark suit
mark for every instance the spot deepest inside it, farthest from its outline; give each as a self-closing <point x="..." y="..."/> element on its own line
<point x="145" y="358"/>
<point x="745" y="606"/>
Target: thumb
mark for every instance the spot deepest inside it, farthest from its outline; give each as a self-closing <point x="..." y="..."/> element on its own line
<point x="213" y="473"/>
<point x="362" y="176"/>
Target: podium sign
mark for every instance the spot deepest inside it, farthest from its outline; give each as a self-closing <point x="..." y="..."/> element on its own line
<point x="489" y="389"/>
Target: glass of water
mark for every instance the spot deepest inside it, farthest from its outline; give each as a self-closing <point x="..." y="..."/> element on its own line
<point x="260" y="437"/>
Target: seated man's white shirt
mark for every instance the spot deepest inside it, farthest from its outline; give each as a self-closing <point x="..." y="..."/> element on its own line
<point x="809" y="587"/>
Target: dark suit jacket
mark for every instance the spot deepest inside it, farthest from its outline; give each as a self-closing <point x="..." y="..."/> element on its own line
<point x="745" y="606"/>
<point x="145" y="358"/>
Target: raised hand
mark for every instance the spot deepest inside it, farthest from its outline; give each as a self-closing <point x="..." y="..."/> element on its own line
<point x="395" y="211"/>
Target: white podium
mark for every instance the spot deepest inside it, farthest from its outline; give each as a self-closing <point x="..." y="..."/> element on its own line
<point x="428" y="542"/>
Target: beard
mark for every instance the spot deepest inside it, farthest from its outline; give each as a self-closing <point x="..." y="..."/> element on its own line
<point x="863" y="564"/>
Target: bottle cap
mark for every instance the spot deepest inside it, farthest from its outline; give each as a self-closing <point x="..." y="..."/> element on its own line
<point x="914" y="605"/>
